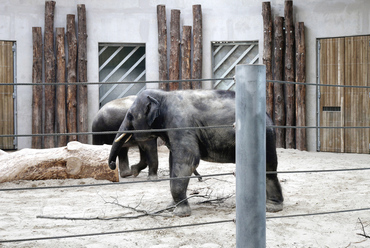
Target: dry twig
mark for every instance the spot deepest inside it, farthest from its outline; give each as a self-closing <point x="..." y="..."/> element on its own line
<point x="363" y="230"/>
<point x="142" y="212"/>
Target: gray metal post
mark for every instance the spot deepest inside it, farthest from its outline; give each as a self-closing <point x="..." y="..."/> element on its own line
<point x="250" y="156"/>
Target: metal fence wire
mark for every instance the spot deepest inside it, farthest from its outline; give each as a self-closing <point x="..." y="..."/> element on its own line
<point x="168" y="179"/>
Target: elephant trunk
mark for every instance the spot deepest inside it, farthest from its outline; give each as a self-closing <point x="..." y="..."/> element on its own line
<point x="116" y="146"/>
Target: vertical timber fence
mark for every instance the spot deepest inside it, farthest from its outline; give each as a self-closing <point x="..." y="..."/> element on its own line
<point x="250" y="166"/>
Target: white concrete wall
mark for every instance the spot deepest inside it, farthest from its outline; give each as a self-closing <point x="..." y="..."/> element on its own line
<point x="135" y="21"/>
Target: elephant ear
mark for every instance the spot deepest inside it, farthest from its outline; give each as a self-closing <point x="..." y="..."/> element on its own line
<point x="152" y="110"/>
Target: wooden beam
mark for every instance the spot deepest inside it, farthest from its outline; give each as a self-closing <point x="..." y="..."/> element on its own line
<point x="289" y="75"/>
<point x="83" y="125"/>
<point x="174" y="70"/>
<point x="186" y="56"/>
<point x="162" y="45"/>
<point x="36" y="88"/>
<point x="197" y="46"/>
<point x="61" y="122"/>
<point x="71" y="77"/>
<point x="267" y="56"/>
<point x="49" y="62"/>
<point x="300" y="89"/>
<point x="279" y="111"/>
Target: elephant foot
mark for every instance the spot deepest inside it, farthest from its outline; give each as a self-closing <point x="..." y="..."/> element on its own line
<point x="181" y="210"/>
<point x="273" y="207"/>
<point x="152" y="177"/>
<point x="125" y="173"/>
<point x="136" y="169"/>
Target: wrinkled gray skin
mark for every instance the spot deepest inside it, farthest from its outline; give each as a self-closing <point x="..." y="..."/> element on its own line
<point x="155" y="109"/>
<point x="109" y="118"/>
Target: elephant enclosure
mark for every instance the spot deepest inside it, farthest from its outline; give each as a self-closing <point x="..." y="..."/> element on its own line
<point x="305" y="193"/>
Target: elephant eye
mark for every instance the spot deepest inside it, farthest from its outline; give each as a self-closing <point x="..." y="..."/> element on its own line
<point x="129" y="116"/>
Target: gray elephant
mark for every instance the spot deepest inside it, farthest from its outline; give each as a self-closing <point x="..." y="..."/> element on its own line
<point x="156" y="109"/>
<point x="109" y="118"/>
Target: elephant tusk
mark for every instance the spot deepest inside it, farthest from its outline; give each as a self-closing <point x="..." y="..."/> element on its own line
<point x="128" y="138"/>
<point x="121" y="137"/>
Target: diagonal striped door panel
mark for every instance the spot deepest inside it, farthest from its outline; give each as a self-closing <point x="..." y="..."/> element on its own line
<point x="120" y="63"/>
<point x="226" y="55"/>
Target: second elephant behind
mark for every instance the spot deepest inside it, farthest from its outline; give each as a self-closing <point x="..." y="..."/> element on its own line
<point x="109" y="118"/>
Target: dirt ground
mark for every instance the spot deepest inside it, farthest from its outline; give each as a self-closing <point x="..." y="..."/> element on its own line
<point x="305" y="193"/>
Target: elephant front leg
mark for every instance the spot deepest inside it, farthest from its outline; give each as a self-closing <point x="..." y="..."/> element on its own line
<point x="179" y="187"/>
<point x="124" y="168"/>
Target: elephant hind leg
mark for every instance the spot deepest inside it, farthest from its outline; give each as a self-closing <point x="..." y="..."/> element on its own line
<point x="148" y="157"/>
<point x="274" y="195"/>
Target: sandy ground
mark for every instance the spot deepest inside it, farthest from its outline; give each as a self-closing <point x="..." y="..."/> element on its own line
<point x="304" y="193"/>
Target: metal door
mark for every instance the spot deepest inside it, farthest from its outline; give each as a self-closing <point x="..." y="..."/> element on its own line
<point x="120" y="63"/>
<point x="226" y="55"/>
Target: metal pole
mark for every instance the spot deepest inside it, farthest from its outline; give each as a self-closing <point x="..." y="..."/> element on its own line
<point x="250" y="156"/>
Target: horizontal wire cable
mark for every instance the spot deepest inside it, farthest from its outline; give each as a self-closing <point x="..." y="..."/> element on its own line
<point x="126" y="82"/>
<point x="171" y="129"/>
<point x="179" y="226"/>
<point x="315" y="171"/>
<point x="320" y="85"/>
<point x="115" y="132"/>
<point x="117" y="183"/>
<point x="183" y="80"/>
<point x="117" y="232"/>
<point x="177" y="178"/>
<point x="319" y="213"/>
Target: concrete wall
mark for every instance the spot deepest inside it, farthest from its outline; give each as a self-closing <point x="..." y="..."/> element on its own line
<point x="135" y="21"/>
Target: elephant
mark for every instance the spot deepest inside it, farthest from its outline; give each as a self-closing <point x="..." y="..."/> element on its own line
<point x="156" y="109"/>
<point x="109" y="118"/>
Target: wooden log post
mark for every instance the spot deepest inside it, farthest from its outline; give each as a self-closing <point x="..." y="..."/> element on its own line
<point x="267" y="56"/>
<point x="300" y="89"/>
<point x="289" y="75"/>
<point x="37" y="88"/>
<point x="162" y="46"/>
<point x="186" y="56"/>
<point x="197" y="46"/>
<point x="279" y="111"/>
<point x="174" y="69"/>
<point x="71" y="77"/>
<point x="83" y="125"/>
<point x="49" y="63"/>
<point x="61" y="122"/>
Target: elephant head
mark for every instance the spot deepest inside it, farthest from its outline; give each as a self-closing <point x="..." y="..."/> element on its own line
<point x="141" y="116"/>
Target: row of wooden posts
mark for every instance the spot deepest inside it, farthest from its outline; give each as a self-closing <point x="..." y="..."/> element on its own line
<point x="63" y="109"/>
<point x="59" y="108"/>
<point x="180" y="49"/>
<point x="284" y="56"/>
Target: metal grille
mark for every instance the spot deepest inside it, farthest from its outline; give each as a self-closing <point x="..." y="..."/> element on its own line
<point x="120" y="63"/>
<point x="226" y="55"/>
